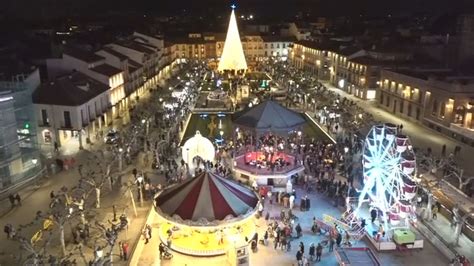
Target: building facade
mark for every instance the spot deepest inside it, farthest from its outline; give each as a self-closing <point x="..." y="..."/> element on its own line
<point x="19" y="152"/>
<point x="437" y="98"/>
<point x="354" y="70"/>
<point x="128" y="68"/>
<point x="71" y="107"/>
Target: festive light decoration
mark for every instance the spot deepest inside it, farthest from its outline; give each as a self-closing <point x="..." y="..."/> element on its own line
<point x="233" y="57"/>
<point x="389" y="172"/>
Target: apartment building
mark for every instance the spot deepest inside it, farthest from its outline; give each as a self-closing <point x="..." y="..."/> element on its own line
<point x="438" y="98"/>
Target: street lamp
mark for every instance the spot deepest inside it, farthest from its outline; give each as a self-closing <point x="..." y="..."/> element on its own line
<point x="120" y="150"/>
<point x="139" y="183"/>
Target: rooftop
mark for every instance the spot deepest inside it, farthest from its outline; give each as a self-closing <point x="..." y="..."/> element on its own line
<point x="9" y="69"/>
<point x="106" y="70"/>
<point x="71" y="90"/>
<point x="135" y="46"/>
<point x="445" y="75"/>
<point x="111" y="51"/>
<point x="83" y="55"/>
<point x="276" y="38"/>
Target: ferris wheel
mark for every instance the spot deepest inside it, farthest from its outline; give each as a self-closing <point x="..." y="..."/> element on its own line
<point x="389" y="169"/>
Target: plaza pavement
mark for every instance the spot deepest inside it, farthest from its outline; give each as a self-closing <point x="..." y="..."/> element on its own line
<point x="266" y="255"/>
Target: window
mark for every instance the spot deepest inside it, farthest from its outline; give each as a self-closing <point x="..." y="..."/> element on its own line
<point x="381" y="98"/>
<point x="44" y="117"/>
<point x="284" y="45"/>
<point x="409" y="109"/>
<point x="442" y="112"/>
<point x="420" y="96"/>
<point x="459" y="115"/>
<point x="401" y="107"/>
<point x="266" y="45"/>
<point x="387" y="102"/>
<point x="271" y="46"/>
<point x="434" y="110"/>
<point x="67" y="119"/>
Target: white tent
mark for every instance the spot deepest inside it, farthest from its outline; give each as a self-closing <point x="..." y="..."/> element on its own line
<point x="198" y="146"/>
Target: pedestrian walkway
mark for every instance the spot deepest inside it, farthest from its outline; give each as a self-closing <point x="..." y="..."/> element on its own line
<point x="442" y="229"/>
<point x="420" y="136"/>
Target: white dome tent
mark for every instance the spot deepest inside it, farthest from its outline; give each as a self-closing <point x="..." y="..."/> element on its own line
<point x="197" y="146"/>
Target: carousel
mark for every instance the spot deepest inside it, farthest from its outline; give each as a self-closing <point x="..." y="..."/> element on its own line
<point x="207" y="215"/>
<point x="267" y="156"/>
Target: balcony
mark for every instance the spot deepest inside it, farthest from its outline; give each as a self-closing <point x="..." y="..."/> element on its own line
<point x="459" y="129"/>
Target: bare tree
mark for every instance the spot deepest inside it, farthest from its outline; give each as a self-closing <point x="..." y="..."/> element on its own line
<point x="459" y="222"/>
<point x="95" y="174"/>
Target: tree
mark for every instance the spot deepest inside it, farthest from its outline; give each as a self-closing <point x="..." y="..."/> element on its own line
<point x="95" y="173"/>
<point x="459" y="222"/>
<point x="459" y="175"/>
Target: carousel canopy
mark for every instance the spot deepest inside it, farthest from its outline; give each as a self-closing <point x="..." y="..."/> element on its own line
<point x="269" y="116"/>
<point x="208" y="197"/>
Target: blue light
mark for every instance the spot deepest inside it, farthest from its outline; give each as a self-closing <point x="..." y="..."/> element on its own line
<point x="233" y="6"/>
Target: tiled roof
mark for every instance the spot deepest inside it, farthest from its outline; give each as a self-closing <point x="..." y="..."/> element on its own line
<point x="83" y="55"/>
<point x="111" y="51"/>
<point x="275" y="38"/>
<point x="72" y="90"/>
<point x="106" y="70"/>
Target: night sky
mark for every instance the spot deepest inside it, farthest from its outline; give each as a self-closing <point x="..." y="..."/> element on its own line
<point x="47" y="8"/>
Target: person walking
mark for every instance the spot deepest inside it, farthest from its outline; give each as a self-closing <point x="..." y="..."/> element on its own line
<point x="434" y="211"/>
<point x="301" y="247"/>
<point x="331" y="243"/>
<point x="373" y="214"/>
<point x="147" y="234"/>
<point x="319" y="252"/>
<point x="338" y="239"/>
<point x="7" y="230"/>
<point x="299" y="257"/>
<point x="443" y="150"/>
<point x="12" y="200"/>
<point x="312" y="250"/>
<point x="161" y="249"/>
<point x="298" y="230"/>
<point x="18" y="198"/>
<point x="56" y="147"/>
<point x="125" y="248"/>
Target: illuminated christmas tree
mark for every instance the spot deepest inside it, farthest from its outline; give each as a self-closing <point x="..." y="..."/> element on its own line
<point x="233" y="57"/>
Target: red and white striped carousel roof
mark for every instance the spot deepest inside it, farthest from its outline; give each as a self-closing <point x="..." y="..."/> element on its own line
<point x="207" y="196"/>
